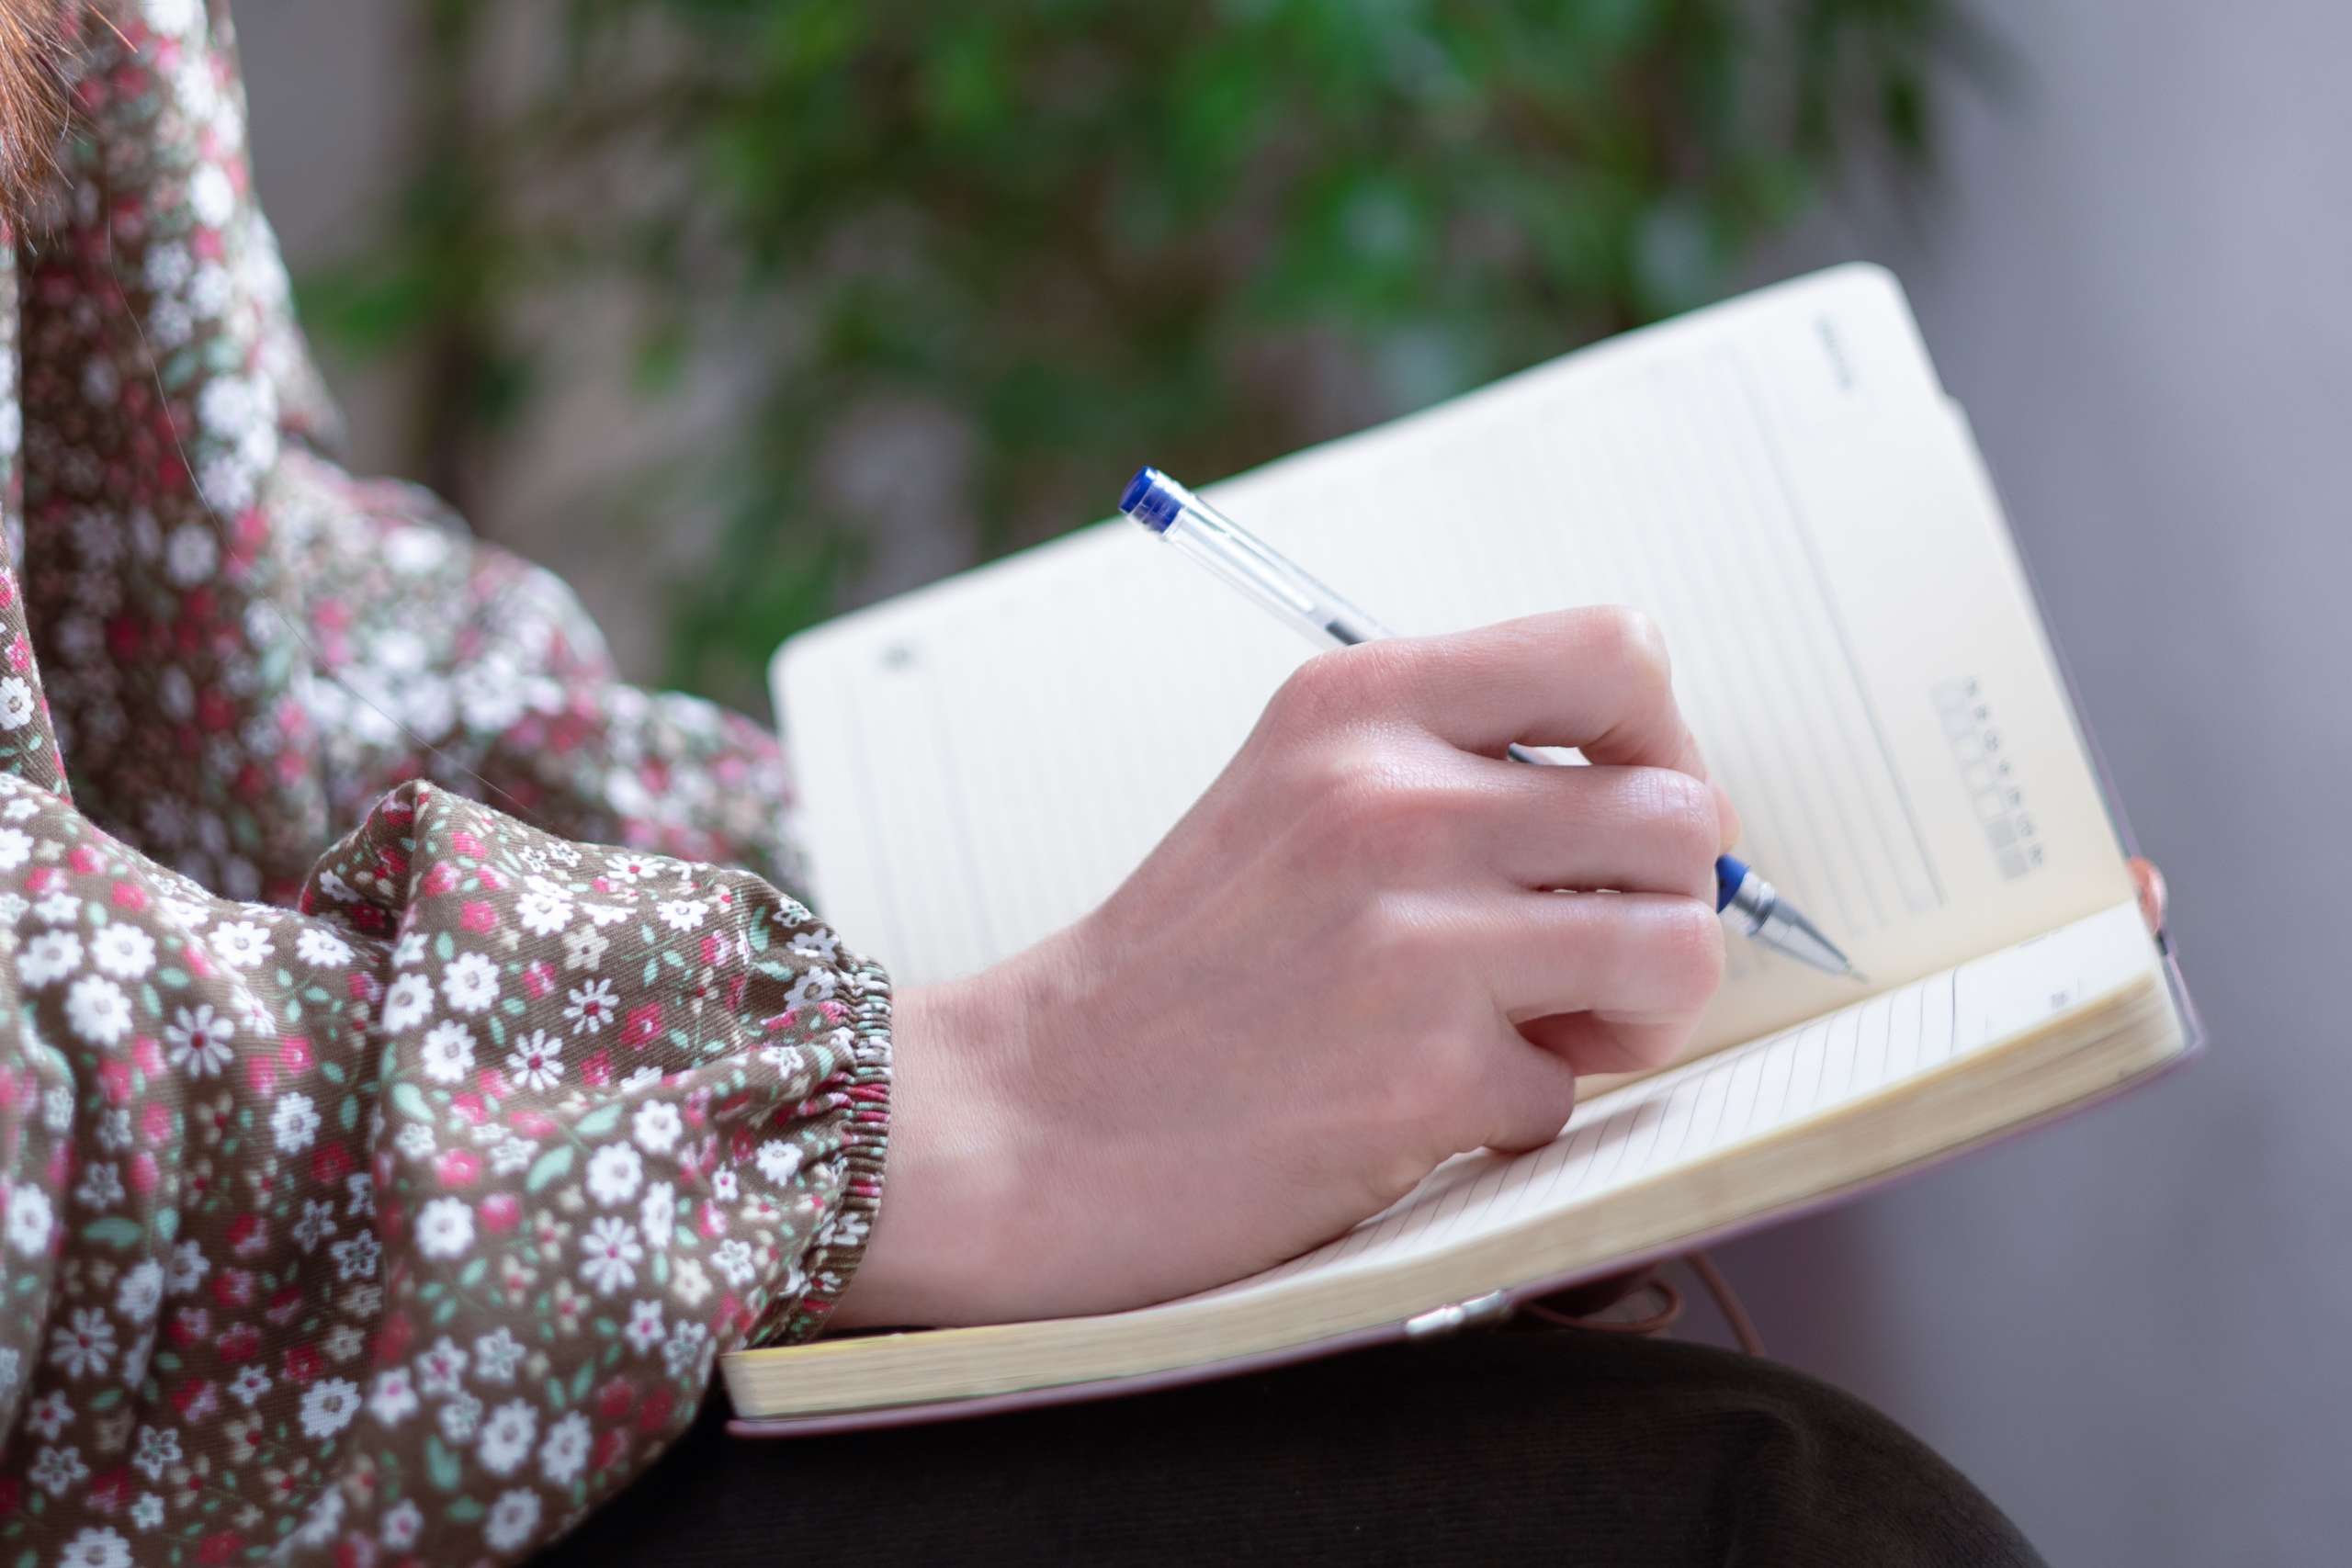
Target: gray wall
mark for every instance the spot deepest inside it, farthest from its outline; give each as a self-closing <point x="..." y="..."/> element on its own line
<point x="2137" y="274"/>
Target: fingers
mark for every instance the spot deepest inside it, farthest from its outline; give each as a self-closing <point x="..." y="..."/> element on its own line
<point x="1596" y="679"/>
<point x="1591" y="1044"/>
<point x="1635" y="957"/>
<point x="2154" y="897"/>
<point x="1520" y="1097"/>
<point x="1605" y="982"/>
<point x="1628" y="829"/>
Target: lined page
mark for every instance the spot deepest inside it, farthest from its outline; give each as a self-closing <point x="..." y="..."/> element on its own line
<point x="1779" y="481"/>
<point x="1747" y="1093"/>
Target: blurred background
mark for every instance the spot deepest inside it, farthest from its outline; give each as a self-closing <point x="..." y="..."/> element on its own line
<point x="844" y="294"/>
<point x="739" y="313"/>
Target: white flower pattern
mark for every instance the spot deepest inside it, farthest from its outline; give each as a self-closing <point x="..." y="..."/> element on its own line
<point x="425" y="1147"/>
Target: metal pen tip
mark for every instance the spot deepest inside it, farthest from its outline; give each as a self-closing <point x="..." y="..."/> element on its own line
<point x="1760" y="911"/>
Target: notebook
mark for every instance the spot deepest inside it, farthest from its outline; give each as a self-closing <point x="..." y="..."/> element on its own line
<point x="1783" y="484"/>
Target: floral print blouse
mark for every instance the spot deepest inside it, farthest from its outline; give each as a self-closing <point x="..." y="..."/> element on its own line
<point x="386" y="1198"/>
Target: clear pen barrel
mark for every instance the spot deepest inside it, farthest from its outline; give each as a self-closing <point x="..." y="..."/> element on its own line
<point x="1226" y="548"/>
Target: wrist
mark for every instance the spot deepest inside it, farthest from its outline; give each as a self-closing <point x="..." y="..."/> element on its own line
<point x="968" y="1178"/>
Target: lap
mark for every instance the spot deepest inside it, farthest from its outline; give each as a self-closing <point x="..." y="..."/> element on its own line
<point x="1591" y="1448"/>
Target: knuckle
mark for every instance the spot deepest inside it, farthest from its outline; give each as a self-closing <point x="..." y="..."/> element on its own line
<point x="1682" y="809"/>
<point x="1689" y="940"/>
<point x="1364" y="942"/>
<point x="1382" y="672"/>
<point x="1357" y="798"/>
<point x="1413" y="839"/>
<point x="1315" y="693"/>
<point x="1395" y="823"/>
<point x="1388" y="938"/>
<point x="1342" y="687"/>
<point x="1630" y="639"/>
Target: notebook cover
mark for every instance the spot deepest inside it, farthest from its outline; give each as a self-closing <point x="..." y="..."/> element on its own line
<point x="1499" y="1304"/>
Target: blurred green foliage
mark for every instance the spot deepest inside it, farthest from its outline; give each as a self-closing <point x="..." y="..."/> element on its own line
<point x="1086" y="233"/>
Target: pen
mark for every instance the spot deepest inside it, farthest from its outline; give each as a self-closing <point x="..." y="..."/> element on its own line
<point x="1242" y="558"/>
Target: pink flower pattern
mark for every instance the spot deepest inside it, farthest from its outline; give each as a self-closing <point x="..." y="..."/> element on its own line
<point x="400" y="1215"/>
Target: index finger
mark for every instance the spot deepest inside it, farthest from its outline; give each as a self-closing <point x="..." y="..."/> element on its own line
<point x="1596" y="678"/>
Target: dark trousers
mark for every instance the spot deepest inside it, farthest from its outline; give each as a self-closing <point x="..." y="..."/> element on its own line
<point x="1569" y="1447"/>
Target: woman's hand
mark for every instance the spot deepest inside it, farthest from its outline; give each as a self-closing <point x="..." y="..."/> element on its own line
<point x="2149" y="882"/>
<point x="1340" y="967"/>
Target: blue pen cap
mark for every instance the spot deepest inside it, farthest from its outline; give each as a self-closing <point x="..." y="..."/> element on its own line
<point x="1151" y="500"/>
<point x="1729" y="873"/>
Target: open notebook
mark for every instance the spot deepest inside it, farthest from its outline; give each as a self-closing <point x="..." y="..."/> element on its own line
<point x="1783" y="484"/>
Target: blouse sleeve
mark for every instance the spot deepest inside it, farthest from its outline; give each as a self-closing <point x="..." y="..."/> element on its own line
<point x="406" y="1225"/>
<point x="246" y="644"/>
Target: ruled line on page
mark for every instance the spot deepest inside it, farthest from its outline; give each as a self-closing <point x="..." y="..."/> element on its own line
<point x="1837" y="623"/>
